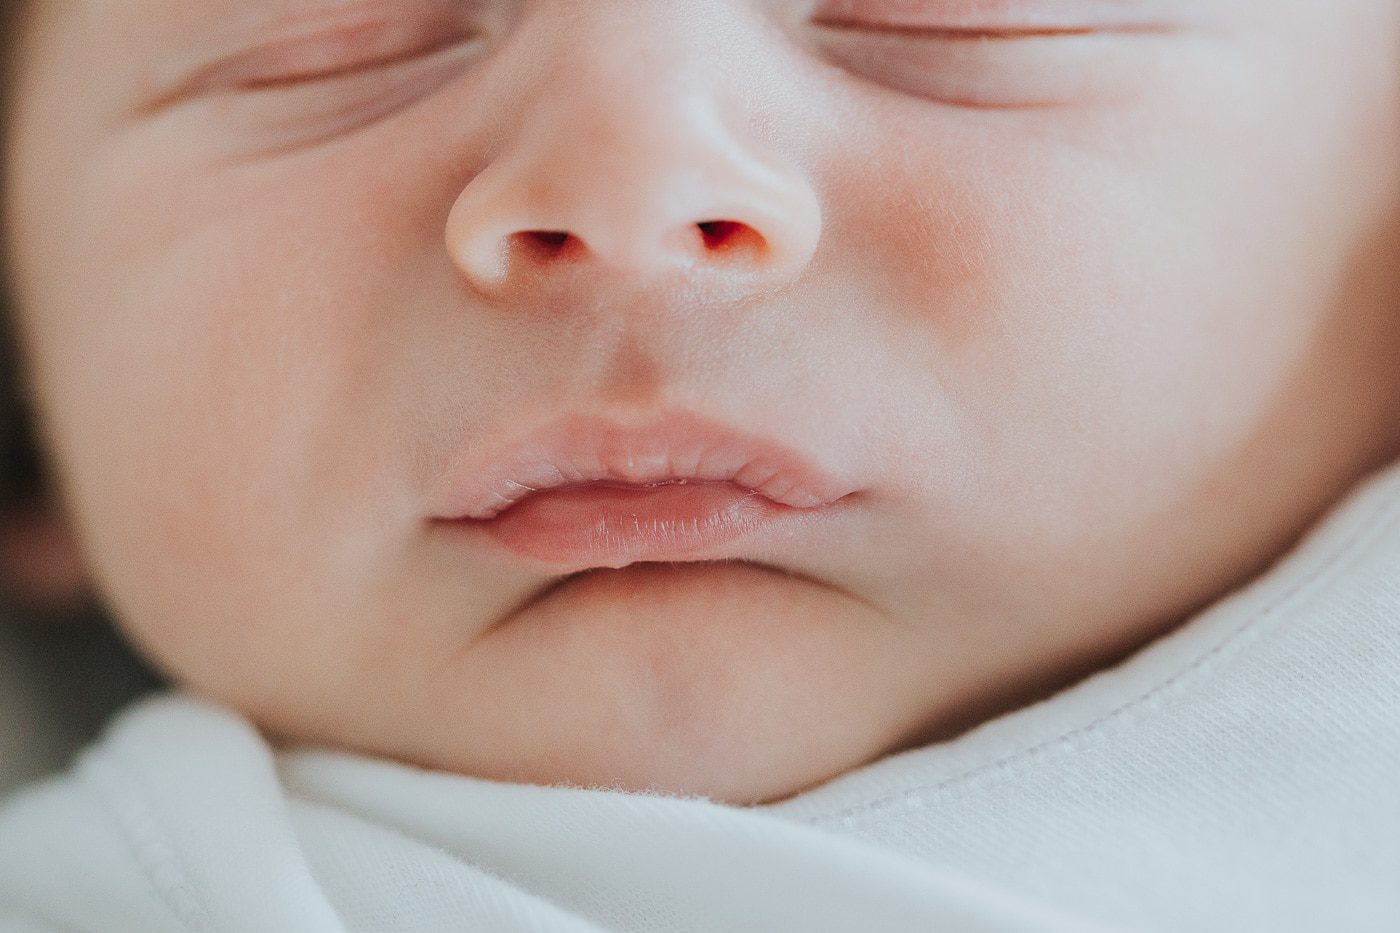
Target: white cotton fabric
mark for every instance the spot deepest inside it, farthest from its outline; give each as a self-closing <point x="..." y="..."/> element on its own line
<point x="1241" y="773"/>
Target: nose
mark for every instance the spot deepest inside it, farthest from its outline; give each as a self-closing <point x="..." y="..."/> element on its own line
<point x="623" y="168"/>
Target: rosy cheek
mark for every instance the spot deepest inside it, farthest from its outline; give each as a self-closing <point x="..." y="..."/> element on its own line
<point x="956" y="231"/>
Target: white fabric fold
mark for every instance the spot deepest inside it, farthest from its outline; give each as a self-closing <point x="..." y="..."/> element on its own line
<point x="212" y="830"/>
<point x="1238" y="774"/>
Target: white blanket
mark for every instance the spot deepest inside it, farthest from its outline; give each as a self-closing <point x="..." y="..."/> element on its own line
<point x="1239" y="774"/>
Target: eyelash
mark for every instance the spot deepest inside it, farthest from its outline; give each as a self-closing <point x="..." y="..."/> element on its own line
<point x="948" y="33"/>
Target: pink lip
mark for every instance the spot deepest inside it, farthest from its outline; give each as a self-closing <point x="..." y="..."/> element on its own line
<point x="589" y="491"/>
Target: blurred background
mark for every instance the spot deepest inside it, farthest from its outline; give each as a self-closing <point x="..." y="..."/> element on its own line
<point x="63" y="669"/>
<point x="60" y="679"/>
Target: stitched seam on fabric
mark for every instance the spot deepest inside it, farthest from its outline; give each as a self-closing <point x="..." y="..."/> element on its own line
<point x="149" y="846"/>
<point x="1133" y="710"/>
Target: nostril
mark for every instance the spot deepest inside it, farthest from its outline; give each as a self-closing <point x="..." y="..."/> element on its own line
<point x="727" y="236"/>
<point x="549" y="240"/>
<point x="544" y="245"/>
<point x="727" y="242"/>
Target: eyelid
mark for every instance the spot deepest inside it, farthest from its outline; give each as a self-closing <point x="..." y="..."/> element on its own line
<point x="326" y="54"/>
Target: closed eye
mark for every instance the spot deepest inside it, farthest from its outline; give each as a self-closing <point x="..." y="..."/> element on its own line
<point x="344" y="69"/>
<point x="347" y="53"/>
<point x="269" y="103"/>
<point x="1030" y="65"/>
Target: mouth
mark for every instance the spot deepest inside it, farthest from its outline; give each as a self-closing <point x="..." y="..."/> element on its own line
<point x="589" y="492"/>
<point x="614" y="524"/>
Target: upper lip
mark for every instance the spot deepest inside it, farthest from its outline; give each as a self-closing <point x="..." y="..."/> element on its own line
<point x="581" y="449"/>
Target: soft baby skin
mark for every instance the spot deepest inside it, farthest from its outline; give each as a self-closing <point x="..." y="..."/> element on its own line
<point x="705" y="397"/>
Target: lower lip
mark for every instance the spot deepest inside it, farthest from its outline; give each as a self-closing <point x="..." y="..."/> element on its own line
<point x="606" y="525"/>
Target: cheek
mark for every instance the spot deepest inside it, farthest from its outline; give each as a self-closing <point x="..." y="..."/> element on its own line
<point x="217" y="402"/>
<point x="1108" y="323"/>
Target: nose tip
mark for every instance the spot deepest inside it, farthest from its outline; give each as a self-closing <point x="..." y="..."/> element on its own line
<point x="682" y="200"/>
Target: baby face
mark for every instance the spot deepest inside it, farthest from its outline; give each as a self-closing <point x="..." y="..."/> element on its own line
<point x="372" y="341"/>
